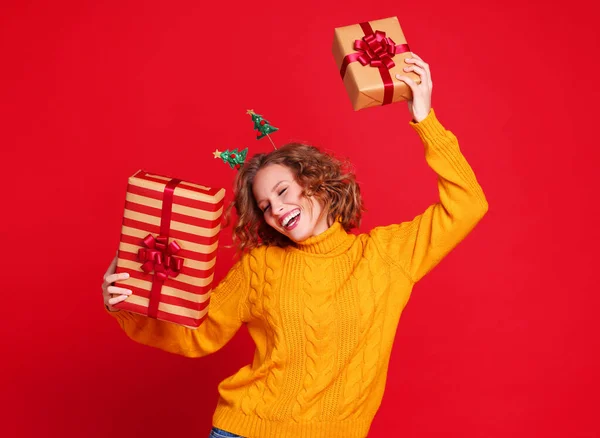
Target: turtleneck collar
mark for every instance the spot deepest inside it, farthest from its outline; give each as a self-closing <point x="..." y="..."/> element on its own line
<point x="332" y="241"/>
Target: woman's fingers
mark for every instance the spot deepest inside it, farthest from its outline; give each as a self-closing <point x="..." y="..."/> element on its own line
<point x="412" y="84"/>
<point x="417" y="61"/>
<point x="112" y="278"/>
<point x="118" y="290"/>
<point x="112" y="294"/>
<point x="418" y="70"/>
<point x="116" y="300"/>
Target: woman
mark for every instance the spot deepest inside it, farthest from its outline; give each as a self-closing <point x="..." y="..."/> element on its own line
<point x="321" y="305"/>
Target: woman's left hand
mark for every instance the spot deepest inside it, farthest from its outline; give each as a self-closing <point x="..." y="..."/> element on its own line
<point x="420" y="104"/>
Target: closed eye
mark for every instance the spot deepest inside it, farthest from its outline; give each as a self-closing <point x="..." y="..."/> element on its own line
<point x="281" y="192"/>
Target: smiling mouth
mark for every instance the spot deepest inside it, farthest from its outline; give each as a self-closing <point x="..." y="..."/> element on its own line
<point x="290" y="221"/>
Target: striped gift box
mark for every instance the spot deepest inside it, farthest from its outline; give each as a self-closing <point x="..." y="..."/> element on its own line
<point x="168" y="246"/>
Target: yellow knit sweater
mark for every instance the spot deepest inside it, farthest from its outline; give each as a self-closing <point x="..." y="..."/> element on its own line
<point x="324" y="314"/>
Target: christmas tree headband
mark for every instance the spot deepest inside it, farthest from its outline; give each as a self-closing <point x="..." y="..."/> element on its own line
<point x="236" y="158"/>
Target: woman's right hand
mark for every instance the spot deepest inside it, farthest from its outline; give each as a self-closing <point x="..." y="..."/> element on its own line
<point x="113" y="294"/>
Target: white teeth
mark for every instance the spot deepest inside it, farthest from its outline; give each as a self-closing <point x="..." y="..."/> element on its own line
<point x="289" y="218"/>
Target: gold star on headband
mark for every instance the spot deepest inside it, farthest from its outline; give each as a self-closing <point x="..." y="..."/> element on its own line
<point x="217" y="154"/>
<point x="250" y="112"/>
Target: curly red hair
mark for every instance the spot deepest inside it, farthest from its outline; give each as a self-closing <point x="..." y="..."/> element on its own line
<point x="321" y="176"/>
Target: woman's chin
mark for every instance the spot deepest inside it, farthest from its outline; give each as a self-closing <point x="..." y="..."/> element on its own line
<point x="297" y="236"/>
<point x="296" y="239"/>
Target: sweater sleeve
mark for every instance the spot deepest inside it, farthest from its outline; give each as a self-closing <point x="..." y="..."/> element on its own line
<point x="417" y="246"/>
<point x="225" y="317"/>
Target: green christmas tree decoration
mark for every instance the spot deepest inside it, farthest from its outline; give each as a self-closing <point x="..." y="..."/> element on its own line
<point x="234" y="158"/>
<point x="263" y="127"/>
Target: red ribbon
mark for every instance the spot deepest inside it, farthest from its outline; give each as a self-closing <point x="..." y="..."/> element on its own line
<point x="158" y="254"/>
<point x="376" y="50"/>
<point x="159" y="257"/>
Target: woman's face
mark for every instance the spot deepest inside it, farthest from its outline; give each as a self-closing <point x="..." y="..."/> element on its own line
<point x="285" y="209"/>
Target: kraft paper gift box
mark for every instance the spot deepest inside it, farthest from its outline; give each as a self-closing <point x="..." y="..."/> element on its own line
<point x="368" y="56"/>
<point x="169" y="241"/>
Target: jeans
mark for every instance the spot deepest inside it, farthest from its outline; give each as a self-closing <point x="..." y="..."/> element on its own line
<point x="219" y="433"/>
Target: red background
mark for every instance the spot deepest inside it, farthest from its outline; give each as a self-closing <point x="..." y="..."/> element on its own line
<point x="500" y="340"/>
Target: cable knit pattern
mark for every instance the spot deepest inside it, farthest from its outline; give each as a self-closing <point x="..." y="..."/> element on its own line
<point x="371" y="352"/>
<point x="274" y="376"/>
<point x="255" y="391"/>
<point x="369" y="328"/>
<point x="323" y="313"/>
<point x="318" y="320"/>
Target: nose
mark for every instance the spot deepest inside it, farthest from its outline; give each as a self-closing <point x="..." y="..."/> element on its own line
<point x="277" y="207"/>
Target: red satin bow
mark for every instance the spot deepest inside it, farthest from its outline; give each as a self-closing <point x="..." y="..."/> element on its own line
<point x="159" y="257"/>
<point x="376" y="50"/>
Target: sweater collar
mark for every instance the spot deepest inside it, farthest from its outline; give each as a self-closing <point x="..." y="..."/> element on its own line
<point x="330" y="242"/>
